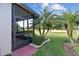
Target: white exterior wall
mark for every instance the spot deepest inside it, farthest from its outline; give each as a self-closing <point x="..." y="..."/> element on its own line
<point x="5" y="28"/>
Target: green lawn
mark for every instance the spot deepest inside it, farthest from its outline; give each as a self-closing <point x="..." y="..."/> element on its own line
<point x="54" y="47"/>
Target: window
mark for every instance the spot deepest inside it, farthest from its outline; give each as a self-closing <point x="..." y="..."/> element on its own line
<point x="19" y="26"/>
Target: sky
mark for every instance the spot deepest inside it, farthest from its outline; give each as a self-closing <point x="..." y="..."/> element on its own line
<point x="57" y="7"/>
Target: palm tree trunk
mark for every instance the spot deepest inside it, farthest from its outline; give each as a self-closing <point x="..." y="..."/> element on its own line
<point x="39" y="31"/>
<point x="43" y="29"/>
<point x="69" y="30"/>
<point x="47" y="32"/>
<point x="71" y="37"/>
<point x="71" y="40"/>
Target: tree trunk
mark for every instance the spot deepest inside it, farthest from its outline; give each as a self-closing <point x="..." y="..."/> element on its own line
<point x="69" y="30"/>
<point x="47" y="31"/>
<point x="43" y="29"/>
<point x="39" y="31"/>
<point x="71" y="40"/>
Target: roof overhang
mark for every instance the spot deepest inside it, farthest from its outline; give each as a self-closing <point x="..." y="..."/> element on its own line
<point x="27" y="8"/>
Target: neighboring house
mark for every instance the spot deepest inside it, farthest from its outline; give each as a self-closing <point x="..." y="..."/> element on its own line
<point x="15" y="28"/>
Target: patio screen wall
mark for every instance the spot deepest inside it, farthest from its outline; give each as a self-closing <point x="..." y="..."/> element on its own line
<point x="22" y="26"/>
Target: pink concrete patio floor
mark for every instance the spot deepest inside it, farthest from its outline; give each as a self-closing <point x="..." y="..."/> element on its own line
<point x="25" y="51"/>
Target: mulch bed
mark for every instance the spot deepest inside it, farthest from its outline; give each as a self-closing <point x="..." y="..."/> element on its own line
<point x="69" y="51"/>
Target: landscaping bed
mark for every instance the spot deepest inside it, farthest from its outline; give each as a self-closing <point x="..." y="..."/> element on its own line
<point x="76" y="48"/>
<point x="69" y="49"/>
<point x="38" y="41"/>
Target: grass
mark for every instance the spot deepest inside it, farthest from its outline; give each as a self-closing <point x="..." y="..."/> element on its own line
<point x="54" y="47"/>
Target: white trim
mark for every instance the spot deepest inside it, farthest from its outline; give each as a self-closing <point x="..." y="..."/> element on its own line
<point x="5" y="28"/>
<point x="38" y="46"/>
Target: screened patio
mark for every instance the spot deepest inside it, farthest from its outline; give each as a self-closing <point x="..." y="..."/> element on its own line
<point x="22" y="25"/>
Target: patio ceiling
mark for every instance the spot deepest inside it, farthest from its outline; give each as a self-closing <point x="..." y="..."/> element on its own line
<point x="23" y="12"/>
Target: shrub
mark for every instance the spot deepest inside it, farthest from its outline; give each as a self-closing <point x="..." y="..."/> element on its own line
<point x="38" y="39"/>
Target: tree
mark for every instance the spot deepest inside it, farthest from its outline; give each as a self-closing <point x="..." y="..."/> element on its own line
<point x="77" y="18"/>
<point x="68" y="18"/>
<point x="58" y="25"/>
<point x="45" y="22"/>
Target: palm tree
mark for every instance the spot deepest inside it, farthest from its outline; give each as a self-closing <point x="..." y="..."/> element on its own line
<point x="68" y="18"/>
<point x="45" y="22"/>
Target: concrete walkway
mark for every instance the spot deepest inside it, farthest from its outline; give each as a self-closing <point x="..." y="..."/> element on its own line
<point x="25" y="51"/>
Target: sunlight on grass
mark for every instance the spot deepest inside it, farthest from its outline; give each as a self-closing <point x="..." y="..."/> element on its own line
<point x="54" y="47"/>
